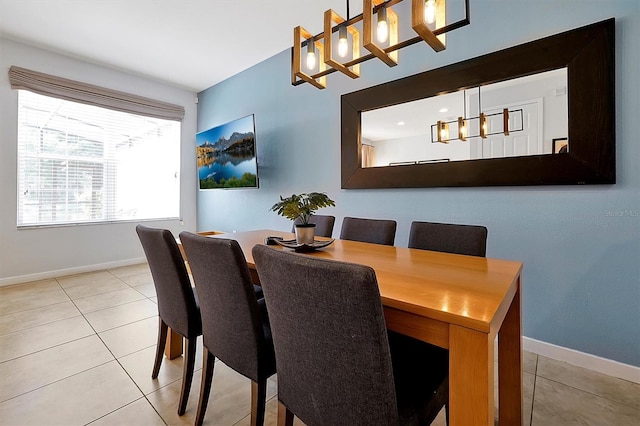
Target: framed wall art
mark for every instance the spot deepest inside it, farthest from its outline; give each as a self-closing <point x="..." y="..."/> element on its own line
<point x="226" y="155"/>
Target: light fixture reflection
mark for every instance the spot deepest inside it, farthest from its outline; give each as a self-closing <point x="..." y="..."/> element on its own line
<point x="462" y="129"/>
<point x="443" y="132"/>
<point x="311" y="55"/>
<point x="484" y="128"/>
<point x="383" y="26"/>
<point x="430" y="11"/>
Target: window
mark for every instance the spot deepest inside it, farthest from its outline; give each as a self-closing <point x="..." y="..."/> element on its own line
<point x="80" y="163"/>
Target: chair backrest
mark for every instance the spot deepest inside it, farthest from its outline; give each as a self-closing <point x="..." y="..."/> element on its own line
<point x="231" y="318"/>
<point x="329" y="334"/>
<point x="176" y="301"/>
<point x="449" y="238"/>
<point x="375" y="231"/>
<point x="324" y="224"/>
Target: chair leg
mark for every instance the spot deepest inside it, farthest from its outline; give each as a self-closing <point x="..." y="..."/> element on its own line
<point x="187" y="374"/>
<point x="440" y="398"/>
<point x="208" y="361"/>
<point x="446" y="413"/>
<point x="258" y="401"/>
<point x="162" y="340"/>
<point x="285" y="417"/>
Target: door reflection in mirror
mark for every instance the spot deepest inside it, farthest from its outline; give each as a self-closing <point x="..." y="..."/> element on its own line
<point x="408" y="133"/>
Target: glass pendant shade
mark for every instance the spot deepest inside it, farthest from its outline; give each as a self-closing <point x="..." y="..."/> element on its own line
<point x="311" y="55"/>
<point x="343" y="43"/>
<point x="430" y="11"/>
<point x="462" y="129"/>
<point x="382" y="30"/>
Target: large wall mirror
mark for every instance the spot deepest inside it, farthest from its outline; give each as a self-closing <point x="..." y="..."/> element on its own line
<point x="535" y="114"/>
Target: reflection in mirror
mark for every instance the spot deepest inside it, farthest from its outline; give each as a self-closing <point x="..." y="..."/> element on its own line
<point x="536" y="117"/>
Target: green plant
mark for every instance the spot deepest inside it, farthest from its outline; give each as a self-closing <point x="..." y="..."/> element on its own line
<point x="302" y="206"/>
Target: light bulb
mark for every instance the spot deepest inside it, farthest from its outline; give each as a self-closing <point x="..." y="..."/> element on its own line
<point x="430" y="11"/>
<point x="483" y="125"/>
<point x="383" y="26"/>
<point x="444" y="133"/>
<point x="311" y="55"/>
<point x="462" y="129"/>
<point x="343" y="44"/>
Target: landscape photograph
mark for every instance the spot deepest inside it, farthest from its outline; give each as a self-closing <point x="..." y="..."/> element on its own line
<point x="226" y="155"/>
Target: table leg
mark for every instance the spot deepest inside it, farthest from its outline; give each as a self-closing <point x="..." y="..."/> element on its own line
<point x="510" y="364"/>
<point x="173" y="348"/>
<point x="471" y="400"/>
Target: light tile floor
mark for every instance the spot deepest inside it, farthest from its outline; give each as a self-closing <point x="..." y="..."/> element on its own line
<point x="79" y="350"/>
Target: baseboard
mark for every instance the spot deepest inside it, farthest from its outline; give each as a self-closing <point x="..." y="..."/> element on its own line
<point x="69" y="271"/>
<point x="584" y="360"/>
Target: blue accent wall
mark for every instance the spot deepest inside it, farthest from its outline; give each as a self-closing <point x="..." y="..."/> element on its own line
<point x="580" y="245"/>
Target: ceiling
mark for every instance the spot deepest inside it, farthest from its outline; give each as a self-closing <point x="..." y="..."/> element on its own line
<point x="192" y="44"/>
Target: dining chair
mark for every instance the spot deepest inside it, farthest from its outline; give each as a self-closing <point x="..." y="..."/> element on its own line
<point x="324" y="224"/>
<point x="235" y="325"/>
<point x="443" y="237"/>
<point x="449" y="238"/>
<point x="377" y="231"/>
<point x="177" y="301"/>
<point x="334" y="362"/>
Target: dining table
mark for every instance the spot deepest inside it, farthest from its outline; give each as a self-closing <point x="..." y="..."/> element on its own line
<point x="468" y="305"/>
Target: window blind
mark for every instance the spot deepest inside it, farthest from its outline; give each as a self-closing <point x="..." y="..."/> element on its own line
<point x="81" y="163"/>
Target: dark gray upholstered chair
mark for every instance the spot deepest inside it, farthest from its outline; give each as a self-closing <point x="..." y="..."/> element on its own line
<point x="324" y="224"/>
<point x="235" y="326"/>
<point x="335" y="366"/>
<point x="177" y="301"/>
<point x="449" y="238"/>
<point x="375" y="231"/>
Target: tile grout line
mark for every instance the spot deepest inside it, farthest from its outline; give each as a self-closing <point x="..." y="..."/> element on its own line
<point x="591" y="393"/>
<point x="126" y="405"/>
<point x="56" y="381"/>
<point x="118" y="361"/>
<point x="95" y="333"/>
<point x="50" y="347"/>
<point x="125" y="370"/>
<point x="533" y="390"/>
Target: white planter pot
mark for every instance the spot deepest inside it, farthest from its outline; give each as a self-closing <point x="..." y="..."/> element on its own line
<point x="305" y="234"/>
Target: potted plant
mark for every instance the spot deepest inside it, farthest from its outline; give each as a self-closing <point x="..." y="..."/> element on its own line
<point x="299" y="208"/>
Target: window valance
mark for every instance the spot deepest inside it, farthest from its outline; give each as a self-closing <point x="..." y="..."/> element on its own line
<point x="76" y="91"/>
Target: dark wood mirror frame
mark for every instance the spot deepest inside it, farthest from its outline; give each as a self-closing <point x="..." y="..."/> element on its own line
<point x="588" y="53"/>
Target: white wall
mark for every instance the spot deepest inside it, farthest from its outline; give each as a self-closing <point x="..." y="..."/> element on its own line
<point x="30" y="254"/>
<point x="418" y="148"/>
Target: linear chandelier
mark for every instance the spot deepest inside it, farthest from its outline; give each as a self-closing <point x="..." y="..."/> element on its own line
<point x="323" y="56"/>
<point x="442" y="128"/>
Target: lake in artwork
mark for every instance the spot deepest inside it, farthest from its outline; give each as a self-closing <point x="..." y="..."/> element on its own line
<point x="227" y="156"/>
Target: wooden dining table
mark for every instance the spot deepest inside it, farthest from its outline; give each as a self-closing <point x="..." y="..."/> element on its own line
<point x="460" y="303"/>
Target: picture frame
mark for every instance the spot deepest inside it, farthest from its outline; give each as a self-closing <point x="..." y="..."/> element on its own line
<point x="560" y="145"/>
<point x="226" y="156"/>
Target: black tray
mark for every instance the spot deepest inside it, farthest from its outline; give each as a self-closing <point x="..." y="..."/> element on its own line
<point x="305" y="247"/>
